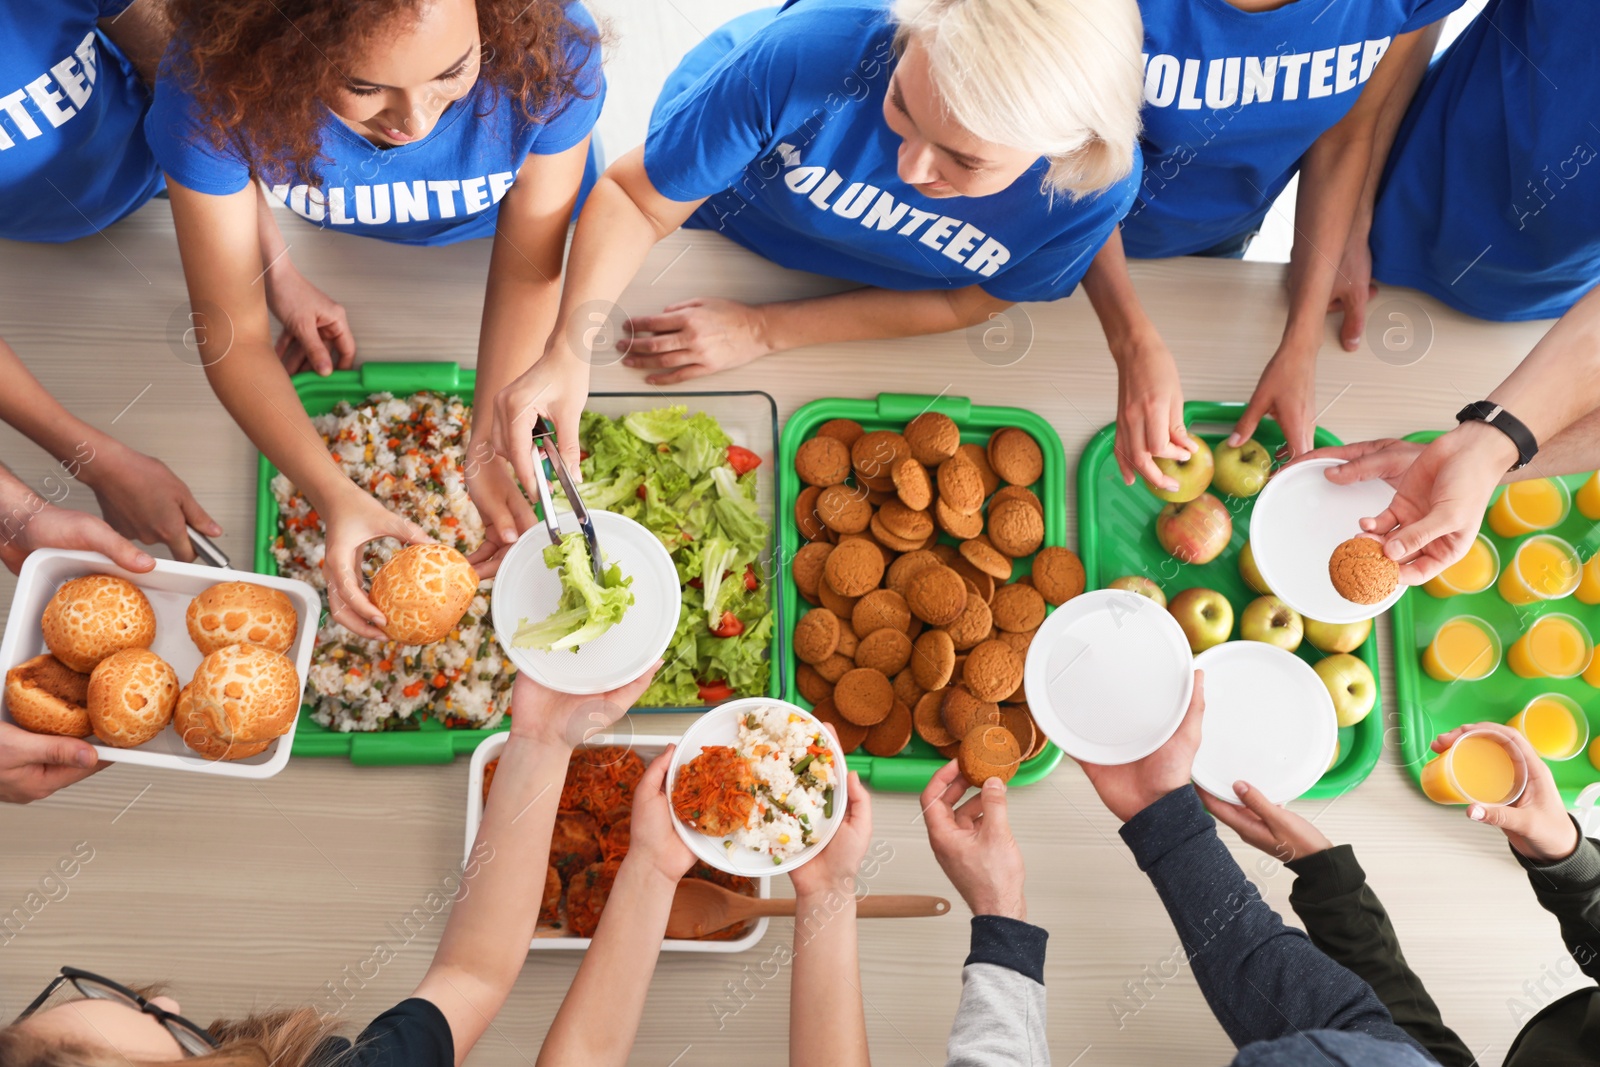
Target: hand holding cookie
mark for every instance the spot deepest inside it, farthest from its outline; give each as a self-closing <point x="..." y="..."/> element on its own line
<point x="974" y="845"/>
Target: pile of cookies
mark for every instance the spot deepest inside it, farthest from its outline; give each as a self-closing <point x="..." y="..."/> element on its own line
<point x="918" y="621"/>
<point x="101" y="678"/>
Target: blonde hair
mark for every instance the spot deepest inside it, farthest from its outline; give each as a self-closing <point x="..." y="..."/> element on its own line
<point x="289" y="1038"/>
<point x="1060" y="77"/>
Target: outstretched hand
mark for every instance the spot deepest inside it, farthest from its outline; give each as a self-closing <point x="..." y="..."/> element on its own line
<point x="1537" y="824"/>
<point x="1127" y="789"/>
<point x="1272" y="828"/>
<point x="32" y="766"/>
<point x="973" y="843"/>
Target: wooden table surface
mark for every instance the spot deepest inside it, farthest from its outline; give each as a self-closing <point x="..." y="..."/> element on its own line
<point x="243" y="896"/>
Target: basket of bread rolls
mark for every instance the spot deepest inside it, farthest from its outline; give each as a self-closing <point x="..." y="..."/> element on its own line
<point x="171" y="668"/>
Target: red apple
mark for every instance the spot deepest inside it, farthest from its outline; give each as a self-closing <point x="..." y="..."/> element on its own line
<point x="1195" y="531"/>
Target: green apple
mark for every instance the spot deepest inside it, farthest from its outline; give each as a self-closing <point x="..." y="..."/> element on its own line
<point x="1250" y="572"/>
<point x="1337" y="637"/>
<point x="1351" y="685"/>
<point x="1134" y="583"/>
<point x="1195" y="531"/>
<point x="1193" y="475"/>
<point x="1242" y="471"/>
<point x="1205" y="615"/>
<point x="1271" y="621"/>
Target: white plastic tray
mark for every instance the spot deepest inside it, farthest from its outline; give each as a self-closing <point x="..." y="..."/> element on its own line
<point x="169" y="588"/>
<point x="648" y="747"/>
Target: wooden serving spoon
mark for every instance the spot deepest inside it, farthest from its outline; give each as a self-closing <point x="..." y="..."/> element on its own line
<point x="700" y="908"/>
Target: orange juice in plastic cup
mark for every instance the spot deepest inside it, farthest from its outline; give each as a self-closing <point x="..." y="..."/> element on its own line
<point x="1588" y="497"/>
<point x="1536" y="504"/>
<point x="1555" y="646"/>
<point x="1466" y="649"/>
<point x="1592" y="673"/>
<point x="1588" y="590"/>
<point x="1554" y="725"/>
<point x="1472" y="573"/>
<point x="1480" y="768"/>
<point x="1543" y="568"/>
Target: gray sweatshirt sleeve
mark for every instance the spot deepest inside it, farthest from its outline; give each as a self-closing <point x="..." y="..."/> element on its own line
<point x="1000" y="1022"/>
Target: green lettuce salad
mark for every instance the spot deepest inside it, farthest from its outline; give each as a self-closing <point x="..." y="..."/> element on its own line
<point x="586" y="609"/>
<point x="679" y="475"/>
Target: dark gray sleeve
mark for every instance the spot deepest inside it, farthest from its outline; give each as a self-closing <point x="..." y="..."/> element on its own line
<point x="1263" y="980"/>
<point x="1569" y="889"/>
<point x="1000" y="1022"/>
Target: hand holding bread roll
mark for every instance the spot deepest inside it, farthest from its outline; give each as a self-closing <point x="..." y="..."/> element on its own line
<point x="423" y="591"/>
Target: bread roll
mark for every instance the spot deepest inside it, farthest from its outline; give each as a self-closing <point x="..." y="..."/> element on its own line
<point x="245" y="694"/>
<point x="192" y="729"/>
<point x="131" y="695"/>
<point x="423" y="591"/>
<point x="46" y="696"/>
<point x="241" y="613"/>
<point x="91" y="617"/>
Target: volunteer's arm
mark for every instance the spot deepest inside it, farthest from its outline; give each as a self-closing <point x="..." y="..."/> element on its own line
<point x="1342" y="915"/>
<point x="1149" y="391"/>
<point x="139" y="495"/>
<point x="519" y="308"/>
<point x="219" y="244"/>
<point x="485" y="941"/>
<point x="614" y="978"/>
<point x="1332" y="174"/>
<point x="313" y="322"/>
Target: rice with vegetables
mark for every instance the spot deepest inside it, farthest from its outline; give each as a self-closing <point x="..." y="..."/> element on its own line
<point x="409" y="454"/>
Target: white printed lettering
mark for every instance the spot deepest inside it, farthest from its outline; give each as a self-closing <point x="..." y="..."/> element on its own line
<point x="958" y="245"/>
<point x="444" y="193"/>
<point x="1321" y="72"/>
<point x="473" y="197"/>
<point x="410" y="201"/>
<point x="938" y="232"/>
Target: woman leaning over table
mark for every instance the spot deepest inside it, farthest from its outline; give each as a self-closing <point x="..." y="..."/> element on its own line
<point x="951" y="157"/>
<point x="1240" y="96"/>
<point x="480" y="953"/>
<point x="417" y="123"/>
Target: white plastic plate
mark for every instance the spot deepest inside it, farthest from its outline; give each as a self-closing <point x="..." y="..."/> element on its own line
<point x="1269" y="721"/>
<point x="169" y="589"/>
<point x="1109" y="676"/>
<point x="525" y="588"/>
<point x="544" y="938"/>
<point x="720" y="726"/>
<point x="1299" y="519"/>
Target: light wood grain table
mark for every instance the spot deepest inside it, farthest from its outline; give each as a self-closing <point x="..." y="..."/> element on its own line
<point x="293" y="890"/>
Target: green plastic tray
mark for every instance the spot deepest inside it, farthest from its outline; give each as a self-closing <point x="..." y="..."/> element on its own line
<point x="430" y="741"/>
<point x="1116" y="535"/>
<point x="913" y="768"/>
<point x="1429" y="708"/>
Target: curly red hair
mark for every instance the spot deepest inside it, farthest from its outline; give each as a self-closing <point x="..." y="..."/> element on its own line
<point x="258" y="79"/>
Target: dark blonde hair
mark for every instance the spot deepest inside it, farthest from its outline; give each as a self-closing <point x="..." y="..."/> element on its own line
<point x="287" y="1038"/>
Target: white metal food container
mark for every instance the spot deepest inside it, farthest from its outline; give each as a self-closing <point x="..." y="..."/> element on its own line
<point x="169" y="589"/>
<point x="648" y="748"/>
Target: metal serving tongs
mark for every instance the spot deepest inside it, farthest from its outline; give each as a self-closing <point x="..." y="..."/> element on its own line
<point x="544" y="437"/>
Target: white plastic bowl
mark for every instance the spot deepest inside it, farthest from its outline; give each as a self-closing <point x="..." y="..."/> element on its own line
<point x="648" y="748"/>
<point x="720" y="726"/>
<point x="525" y="588"/>
<point x="169" y="589"/>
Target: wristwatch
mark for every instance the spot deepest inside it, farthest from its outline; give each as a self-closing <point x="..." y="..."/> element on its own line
<point x="1501" y="419"/>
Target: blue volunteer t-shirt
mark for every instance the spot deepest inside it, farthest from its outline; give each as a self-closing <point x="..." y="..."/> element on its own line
<point x="1232" y="100"/>
<point x="444" y="188"/>
<point x="72" y="153"/>
<point x="1491" y="197"/>
<point x="777" y="117"/>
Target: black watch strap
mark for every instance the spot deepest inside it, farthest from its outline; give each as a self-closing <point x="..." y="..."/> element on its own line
<point x="1501" y="419"/>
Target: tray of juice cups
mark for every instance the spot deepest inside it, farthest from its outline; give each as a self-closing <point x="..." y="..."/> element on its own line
<point x="1523" y="598"/>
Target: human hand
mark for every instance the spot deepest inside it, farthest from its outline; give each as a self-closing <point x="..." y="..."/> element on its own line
<point x="1440" y="495"/>
<point x="555" y="387"/>
<point x="1272" y="828"/>
<point x="695" y="338"/>
<point x="1129" y="788"/>
<point x="568" y="720"/>
<point x="1353" y="288"/>
<point x="44" y="525"/>
<point x="652" y="840"/>
<point x="1287" y="391"/>
<point x="500" y="503"/>
<point x="350" y="522"/>
<point x="836" y="866"/>
<point x="1387" y="458"/>
<point x="1149" y="414"/>
<point x="1537" y="825"/>
<point x="143" y="500"/>
<point x="973" y="843"/>
<point x="32" y="766"/>
<point x="313" y="322"/>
